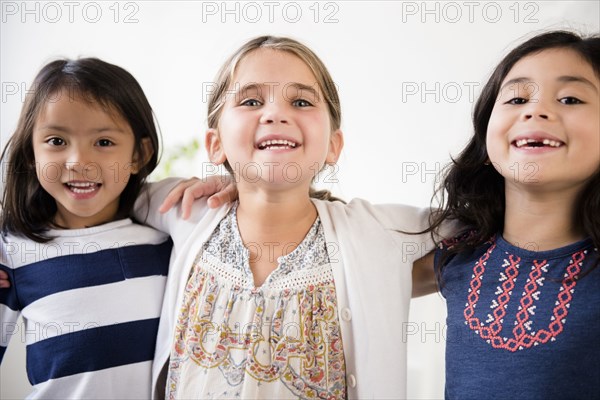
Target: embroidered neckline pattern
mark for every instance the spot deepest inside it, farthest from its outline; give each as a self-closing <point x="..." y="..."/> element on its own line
<point x="284" y="335"/>
<point x="522" y="338"/>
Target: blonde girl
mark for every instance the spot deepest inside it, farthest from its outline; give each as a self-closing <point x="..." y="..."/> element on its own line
<point x="280" y="294"/>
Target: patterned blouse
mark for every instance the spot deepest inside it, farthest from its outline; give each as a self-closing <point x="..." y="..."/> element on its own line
<point x="281" y="340"/>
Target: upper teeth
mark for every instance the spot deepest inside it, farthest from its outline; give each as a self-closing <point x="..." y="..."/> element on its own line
<point x="82" y="184"/>
<point x="82" y="187"/>
<point x="277" y="144"/>
<point x="547" y="142"/>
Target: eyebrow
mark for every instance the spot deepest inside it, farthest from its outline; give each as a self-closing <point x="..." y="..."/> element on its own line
<point x="564" y="78"/>
<point x="579" y="79"/>
<point x="302" y="87"/>
<point x="96" y="130"/>
<point x="516" y="81"/>
<point x="298" y="86"/>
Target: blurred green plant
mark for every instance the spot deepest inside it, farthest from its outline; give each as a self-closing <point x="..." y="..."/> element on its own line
<point x="177" y="161"/>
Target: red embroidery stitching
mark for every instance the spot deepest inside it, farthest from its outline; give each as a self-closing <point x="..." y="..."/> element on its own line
<point x="522" y="339"/>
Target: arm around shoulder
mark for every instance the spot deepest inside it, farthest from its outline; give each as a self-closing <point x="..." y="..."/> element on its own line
<point x="424" y="281"/>
<point x="149" y="202"/>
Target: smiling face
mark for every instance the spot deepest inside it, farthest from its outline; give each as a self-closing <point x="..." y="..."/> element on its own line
<point x="84" y="157"/>
<point x="274" y="127"/>
<point x="544" y="130"/>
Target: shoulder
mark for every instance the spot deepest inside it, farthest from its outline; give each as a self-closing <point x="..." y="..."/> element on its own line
<point x="451" y="250"/>
<point x="391" y="216"/>
<point x="450" y="243"/>
<point x="379" y="225"/>
<point x="142" y="234"/>
<point x="8" y="244"/>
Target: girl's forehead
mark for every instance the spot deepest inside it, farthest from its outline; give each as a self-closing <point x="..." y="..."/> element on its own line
<point x="269" y="66"/>
<point x="66" y="103"/>
<point x="75" y="97"/>
<point x="552" y="63"/>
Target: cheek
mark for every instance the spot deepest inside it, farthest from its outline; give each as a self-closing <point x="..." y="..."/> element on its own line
<point x="47" y="169"/>
<point x="496" y="139"/>
<point x="319" y="125"/>
<point x="592" y="128"/>
<point x="496" y="124"/>
<point x="39" y="155"/>
<point x="322" y="120"/>
<point x="115" y="170"/>
<point x="48" y="172"/>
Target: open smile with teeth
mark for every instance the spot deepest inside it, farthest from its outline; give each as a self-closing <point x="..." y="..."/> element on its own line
<point x="277" y="145"/>
<point x="82" y="187"/>
<point x="537" y="143"/>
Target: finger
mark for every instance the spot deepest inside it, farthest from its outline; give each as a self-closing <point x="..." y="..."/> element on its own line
<point x="186" y="203"/>
<point x="171" y="199"/>
<point x="175" y="195"/>
<point x="204" y="188"/>
<point x="227" y="195"/>
<point x="4" y="282"/>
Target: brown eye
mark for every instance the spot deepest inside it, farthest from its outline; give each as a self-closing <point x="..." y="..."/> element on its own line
<point x="517" y="101"/>
<point x="55" y="141"/>
<point x="104" y="143"/>
<point x="570" y="100"/>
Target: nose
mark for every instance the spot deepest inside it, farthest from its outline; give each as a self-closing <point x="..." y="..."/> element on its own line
<point x="535" y="115"/>
<point x="274" y="113"/>
<point x="77" y="160"/>
<point x="537" y="109"/>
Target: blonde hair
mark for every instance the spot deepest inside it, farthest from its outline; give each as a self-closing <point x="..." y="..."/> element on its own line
<point x="224" y="79"/>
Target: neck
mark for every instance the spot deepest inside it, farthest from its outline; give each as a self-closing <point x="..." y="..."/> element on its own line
<point x="267" y="216"/>
<point x="540" y="221"/>
<point x="272" y="224"/>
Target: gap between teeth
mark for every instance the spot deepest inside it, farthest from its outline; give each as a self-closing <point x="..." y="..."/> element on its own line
<point x="81" y="184"/>
<point x="547" y="142"/>
<point x="76" y="190"/>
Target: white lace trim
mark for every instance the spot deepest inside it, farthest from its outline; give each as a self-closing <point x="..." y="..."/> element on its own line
<point x="224" y="273"/>
<point x="297" y="280"/>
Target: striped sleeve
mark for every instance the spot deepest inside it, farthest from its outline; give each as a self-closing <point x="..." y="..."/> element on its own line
<point x="10" y="308"/>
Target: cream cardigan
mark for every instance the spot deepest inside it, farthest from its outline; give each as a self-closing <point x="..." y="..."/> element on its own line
<point x="372" y="265"/>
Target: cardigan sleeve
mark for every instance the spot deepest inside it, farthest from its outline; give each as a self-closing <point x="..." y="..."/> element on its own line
<point x="149" y="201"/>
<point x="407" y="222"/>
<point x="403" y="224"/>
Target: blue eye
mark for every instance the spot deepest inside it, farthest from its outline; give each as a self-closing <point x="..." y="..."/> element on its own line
<point x="301" y="103"/>
<point x="569" y="100"/>
<point x="251" y="103"/>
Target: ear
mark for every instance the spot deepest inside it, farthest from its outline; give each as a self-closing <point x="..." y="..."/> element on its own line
<point x="336" y="144"/>
<point x="140" y="160"/>
<point x="214" y="147"/>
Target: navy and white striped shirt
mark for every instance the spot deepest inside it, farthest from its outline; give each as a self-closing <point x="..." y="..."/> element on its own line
<point x="90" y="301"/>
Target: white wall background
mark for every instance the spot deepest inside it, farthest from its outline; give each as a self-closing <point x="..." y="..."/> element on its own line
<point x="408" y="74"/>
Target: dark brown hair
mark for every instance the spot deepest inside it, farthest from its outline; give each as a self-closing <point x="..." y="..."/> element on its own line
<point x="27" y="209"/>
<point x="472" y="192"/>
